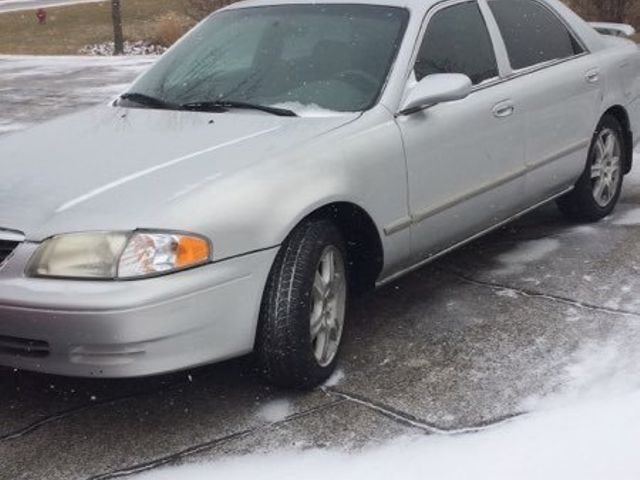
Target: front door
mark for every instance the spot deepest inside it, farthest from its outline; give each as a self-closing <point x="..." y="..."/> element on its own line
<point x="465" y="159"/>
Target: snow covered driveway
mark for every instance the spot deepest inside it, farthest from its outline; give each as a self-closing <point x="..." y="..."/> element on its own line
<point x="515" y="358"/>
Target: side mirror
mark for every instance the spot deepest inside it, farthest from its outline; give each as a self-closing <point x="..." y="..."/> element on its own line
<point x="437" y="88"/>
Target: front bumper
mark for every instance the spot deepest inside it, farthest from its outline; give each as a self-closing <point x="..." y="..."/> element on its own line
<point x="130" y="328"/>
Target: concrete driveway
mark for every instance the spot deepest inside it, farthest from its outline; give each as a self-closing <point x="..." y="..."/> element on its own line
<point x="539" y="308"/>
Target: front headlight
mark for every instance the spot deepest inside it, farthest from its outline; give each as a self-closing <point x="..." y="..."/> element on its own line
<point x="118" y="255"/>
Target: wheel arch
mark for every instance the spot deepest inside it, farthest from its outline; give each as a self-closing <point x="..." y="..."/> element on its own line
<point x="362" y="238"/>
<point x="620" y="113"/>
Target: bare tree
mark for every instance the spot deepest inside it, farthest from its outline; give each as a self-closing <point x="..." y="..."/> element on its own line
<point x="613" y="10"/>
<point x="606" y="10"/>
<point x="118" y="35"/>
<point x="198" y="9"/>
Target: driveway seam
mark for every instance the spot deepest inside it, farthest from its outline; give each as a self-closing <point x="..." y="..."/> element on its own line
<point x="82" y="408"/>
<point x="169" y="459"/>
<point x="546" y="296"/>
<point x="407" y="419"/>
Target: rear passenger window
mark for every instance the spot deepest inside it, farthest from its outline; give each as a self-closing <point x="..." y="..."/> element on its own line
<point x="457" y="41"/>
<point x="532" y="33"/>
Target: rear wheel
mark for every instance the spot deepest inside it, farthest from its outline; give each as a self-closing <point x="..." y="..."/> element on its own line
<point x="597" y="191"/>
<point x="304" y="307"/>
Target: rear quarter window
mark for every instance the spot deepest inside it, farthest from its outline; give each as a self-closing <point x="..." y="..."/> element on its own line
<point x="533" y="34"/>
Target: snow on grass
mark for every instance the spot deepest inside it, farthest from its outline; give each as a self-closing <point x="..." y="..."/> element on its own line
<point x="275" y="410"/>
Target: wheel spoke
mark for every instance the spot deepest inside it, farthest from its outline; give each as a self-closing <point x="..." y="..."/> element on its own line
<point x="598" y="190"/>
<point x="606" y="193"/>
<point x="319" y="286"/>
<point x="328" y="268"/>
<point x="316" y="321"/>
<point x="327" y="344"/>
<point x="600" y="150"/>
<point x="615" y="165"/>
<point x="615" y="176"/>
<point x="334" y="330"/>
<point x="321" y="344"/>
<point x="596" y="171"/>
<point x="609" y="145"/>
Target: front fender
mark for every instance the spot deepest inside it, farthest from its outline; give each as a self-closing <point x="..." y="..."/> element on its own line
<point x="360" y="163"/>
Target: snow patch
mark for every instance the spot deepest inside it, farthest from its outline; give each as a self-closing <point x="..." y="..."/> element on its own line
<point x="508" y="293"/>
<point x="583" y="229"/>
<point x="308" y="110"/>
<point x="106" y="49"/>
<point x="335" y="379"/>
<point x="598" y="372"/>
<point x="591" y="441"/>
<point x="573" y="315"/>
<point x="629" y="218"/>
<point x="275" y="410"/>
<point x="531" y="251"/>
<point x="9" y="127"/>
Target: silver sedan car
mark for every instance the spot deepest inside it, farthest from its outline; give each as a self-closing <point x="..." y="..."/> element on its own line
<point x="287" y="154"/>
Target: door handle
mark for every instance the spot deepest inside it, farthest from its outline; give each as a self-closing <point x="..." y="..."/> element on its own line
<point x="593" y="76"/>
<point x="504" y="110"/>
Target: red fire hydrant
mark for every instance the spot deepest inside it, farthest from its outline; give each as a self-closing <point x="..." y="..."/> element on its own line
<point x="41" y="15"/>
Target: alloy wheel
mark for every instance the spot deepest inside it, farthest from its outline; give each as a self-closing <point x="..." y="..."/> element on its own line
<point x="328" y="305"/>
<point x="606" y="167"/>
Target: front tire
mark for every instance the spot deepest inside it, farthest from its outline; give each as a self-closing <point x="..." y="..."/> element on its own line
<point x="304" y="307"/>
<point x="598" y="190"/>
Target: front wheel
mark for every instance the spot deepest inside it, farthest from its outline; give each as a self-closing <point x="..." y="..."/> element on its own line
<point x="304" y="307"/>
<point x="597" y="191"/>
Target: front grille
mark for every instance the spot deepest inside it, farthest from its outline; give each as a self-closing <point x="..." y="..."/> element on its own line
<point x="23" y="347"/>
<point x="6" y="248"/>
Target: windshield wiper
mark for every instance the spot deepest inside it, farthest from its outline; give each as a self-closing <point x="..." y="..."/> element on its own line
<point x="224" y="105"/>
<point x="147" y="100"/>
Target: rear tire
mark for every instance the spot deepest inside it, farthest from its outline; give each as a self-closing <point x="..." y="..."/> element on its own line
<point x="303" y="308"/>
<point x="598" y="190"/>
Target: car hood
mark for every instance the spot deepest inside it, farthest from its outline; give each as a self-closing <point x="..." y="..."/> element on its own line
<point x="115" y="169"/>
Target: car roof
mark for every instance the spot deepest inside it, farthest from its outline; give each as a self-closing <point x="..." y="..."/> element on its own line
<point x="589" y="36"/>
<point x="408" y="4"/>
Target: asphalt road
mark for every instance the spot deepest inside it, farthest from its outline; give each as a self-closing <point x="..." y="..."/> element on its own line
<point x="16" y="5"/>
<point x="540" y="307"/>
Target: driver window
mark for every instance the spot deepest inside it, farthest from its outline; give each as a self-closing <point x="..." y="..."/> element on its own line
<point x="457" y="41"/>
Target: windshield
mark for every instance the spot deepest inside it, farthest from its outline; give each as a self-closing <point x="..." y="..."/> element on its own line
<point x="327" y="57"/>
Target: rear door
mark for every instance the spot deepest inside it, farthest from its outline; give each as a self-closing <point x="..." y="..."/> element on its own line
<point x="465" y="159"/>
<point x="560" y="84"/>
